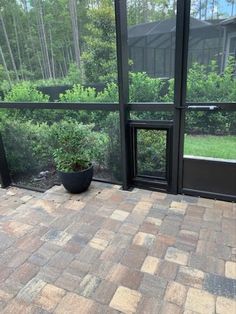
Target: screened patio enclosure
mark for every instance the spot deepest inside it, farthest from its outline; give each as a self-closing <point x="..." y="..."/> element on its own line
<point x="152" y="45"/>
<point x="167" y="112"/>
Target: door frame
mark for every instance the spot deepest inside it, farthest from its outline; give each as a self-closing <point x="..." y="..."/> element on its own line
<point x="154" y="183"/>
<point x="178" y="105"/>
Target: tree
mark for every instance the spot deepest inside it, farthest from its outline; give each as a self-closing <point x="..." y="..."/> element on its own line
<point x="75" y="30"/>
<point x="8" y="45"/>
<point x="99" y="56"/>
<point x="232" y="3"/>
<point x="150" y="10"/>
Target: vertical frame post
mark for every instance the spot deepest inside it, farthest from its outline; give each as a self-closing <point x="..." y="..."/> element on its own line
<point x="4" y="171"/>
<point x="181" y="63"/>
<point x="123" y="83"/>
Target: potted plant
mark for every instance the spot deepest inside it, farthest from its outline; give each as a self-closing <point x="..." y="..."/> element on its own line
<point x="77" y="146"/>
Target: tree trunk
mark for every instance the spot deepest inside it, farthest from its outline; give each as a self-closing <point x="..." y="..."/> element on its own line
<point x="52" y="55"/>
<point x="232" y="7"/>
<point x="75" y="30"/>
<point x="9" y="47"/>
<point x="206" y="7"/>
<point x="200" y="10"/>
<point x="44" y="41"/>
<point x="5" y="66"/>
<point x="18" y="47"/>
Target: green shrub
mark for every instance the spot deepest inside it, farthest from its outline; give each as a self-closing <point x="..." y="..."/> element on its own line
<point x="112" y="128"/>
<point x="25" y="92"/>
<point x="144" y="88"/>
<point x="151" y="152"/>
<point x="79" y="94"/>
<point x="77" y="145"/>
<point x="206" y="85"/>
<point x="109" y="94"/>
<point x="26" y="145"/>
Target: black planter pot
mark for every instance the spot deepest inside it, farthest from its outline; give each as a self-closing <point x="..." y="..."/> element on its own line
<point x="76" y="182"/>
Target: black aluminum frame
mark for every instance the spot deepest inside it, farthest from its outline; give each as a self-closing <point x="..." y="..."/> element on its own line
<point x="155" y="183"/>
<point x="178" y="106"/>
<point x="5" y="178"/>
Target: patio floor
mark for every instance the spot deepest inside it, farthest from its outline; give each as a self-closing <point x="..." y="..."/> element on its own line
<point x="111" y="251"/>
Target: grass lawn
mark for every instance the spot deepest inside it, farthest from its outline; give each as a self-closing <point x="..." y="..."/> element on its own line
<point x="210" y="146"/>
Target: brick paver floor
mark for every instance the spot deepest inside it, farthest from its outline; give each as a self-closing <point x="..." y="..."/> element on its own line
<point x="109" y="251"/>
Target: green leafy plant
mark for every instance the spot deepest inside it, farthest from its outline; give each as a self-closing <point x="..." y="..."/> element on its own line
<point x="99" y="54"/>
<point x="144" y="88"/>
<point x="25" y="92"/>
<point x="26" y="145"/>
<point x="109" y="94"/>
<point x="79" y="94"/>
<point x="77" y="145"/>
<point x="151" y="154"/>
<point x="112" y="128"/>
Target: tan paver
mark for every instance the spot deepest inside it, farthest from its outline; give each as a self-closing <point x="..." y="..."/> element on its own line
<point x="150" y="265"/>
<point x="230" y="270"/>
<point x="176" y="293"/>
<point x="110" y="251"/>
<point x="178" y="207"/>
<point x="74" y="205"/>
<point x="125" y="300"/>
<point x="144" y="239"/>
<point x="98" y="244"/>
<point x="49" y="297"/>
<point x="73" y="303"/>
<point x="120" y="215"/>
<point x="142" y="208"/>
<point x="225" y="305"/>
<point x="200" y="301"/>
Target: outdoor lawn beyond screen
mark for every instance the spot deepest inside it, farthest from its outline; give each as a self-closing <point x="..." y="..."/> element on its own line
<point x="211" y="78"/>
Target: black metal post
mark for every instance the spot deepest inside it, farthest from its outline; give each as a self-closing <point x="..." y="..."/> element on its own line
<point x="123" y="83"/>
<point x="181" y="63"/>
<point x="5" y="178"/>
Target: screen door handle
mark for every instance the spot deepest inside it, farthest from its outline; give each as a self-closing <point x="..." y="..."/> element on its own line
<point x="210" y="107"/>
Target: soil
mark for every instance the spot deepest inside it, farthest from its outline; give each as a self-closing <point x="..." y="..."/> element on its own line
<point x="33" y="181"/>
<point x="49" y="178"/>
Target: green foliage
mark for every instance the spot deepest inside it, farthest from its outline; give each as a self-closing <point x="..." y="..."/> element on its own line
<point x="79" y="94"/>
<point x="151" y="152"/>
<point x="99" y="56"/>
<point x="169" y="95"/>
<point x="74" y="74"/>
<point x="150" y="11"/>
<point x="112" y="128"/>
<point x="25" y="92"/>
<point x="77" y="145"/>
<point x="207" y="85"/>
<point x="144" y="89"/>
<point x="109" y="94"/>
<point x="5" y="86"/>
<point x="30" y="138"/>
<point x="26" y="143"/>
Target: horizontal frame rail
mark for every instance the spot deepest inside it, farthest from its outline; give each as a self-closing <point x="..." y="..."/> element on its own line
<point x="151" y="106"/>
<point x="60" y="106"/>
<point x="148" y="106"/>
